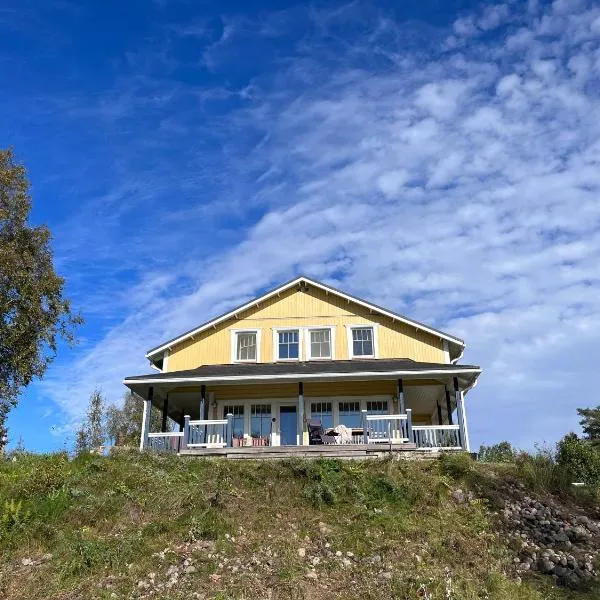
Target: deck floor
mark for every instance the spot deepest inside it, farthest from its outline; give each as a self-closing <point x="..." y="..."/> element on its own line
<point x="350" y="451"/>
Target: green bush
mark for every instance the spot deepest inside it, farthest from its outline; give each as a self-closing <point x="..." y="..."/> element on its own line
<point x="579" y="459"/>
<point x="456" y="464"/>
<point x="497" y="453"/>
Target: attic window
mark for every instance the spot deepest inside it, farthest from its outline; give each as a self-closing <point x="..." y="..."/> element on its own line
<point x="246" y="346"/>
<point x="362" y="342"/>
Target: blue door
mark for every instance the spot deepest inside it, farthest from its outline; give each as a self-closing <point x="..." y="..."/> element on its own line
<point x="288" y="427"/>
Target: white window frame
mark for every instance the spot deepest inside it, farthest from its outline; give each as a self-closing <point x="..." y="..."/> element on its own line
<point x="276" y="332"/>
<point x="351" y="328"/>
<point x="234" y="337"/>
<point x="308" y="349"/>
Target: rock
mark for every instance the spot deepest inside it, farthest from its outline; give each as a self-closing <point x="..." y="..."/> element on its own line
<point x="27" y="562"/>
<point x="311" y="575"/>
<point x="544" y="565"/>
<point x="386" y="575"/>
<point x="301" y="552"/>
<point x="190" y="569"/>
<point x="458" y="496"/>
<point x="350" y="554"/>
<point x="338" y="553"/>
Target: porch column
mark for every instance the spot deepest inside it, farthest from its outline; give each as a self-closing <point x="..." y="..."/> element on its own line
<point x="202" y="402"/>
<point x="300" y="414"/>
<point x="439" y="412"/>
<point x="400" y="389"/>
<point x="146" y="419"/>
<point x="448" y="406"/>
<point x="465" y="422"/>
<point x="165" y="414"/>
<point x="460" y="415"/>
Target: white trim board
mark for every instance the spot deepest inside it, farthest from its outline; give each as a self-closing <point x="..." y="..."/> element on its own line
<point x="305" y="376"/>
<point x="289" y="284"/>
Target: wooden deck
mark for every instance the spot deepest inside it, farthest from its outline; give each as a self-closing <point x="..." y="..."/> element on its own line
<point x="349" y="451"/>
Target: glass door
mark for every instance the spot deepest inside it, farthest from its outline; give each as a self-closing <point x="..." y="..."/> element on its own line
<point x="288" y="426"/>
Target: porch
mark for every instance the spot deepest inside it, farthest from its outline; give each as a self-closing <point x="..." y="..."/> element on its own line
<point x="342" y="408"/>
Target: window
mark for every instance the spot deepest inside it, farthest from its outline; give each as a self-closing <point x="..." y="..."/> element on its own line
<point x="246" y="346"/>
<point x="377" y="407"/>
<point x="289" y="345"/>
<point x="362" y="341"/>
<point x="350" y="414"/>
<point x="320" y="343"/>
<point x="323" y="412"/>
<point x="260" y="420"/>
<point x="238" y="419"/>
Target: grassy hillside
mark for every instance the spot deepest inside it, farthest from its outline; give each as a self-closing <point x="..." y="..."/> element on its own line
<point x="143" y="526"/>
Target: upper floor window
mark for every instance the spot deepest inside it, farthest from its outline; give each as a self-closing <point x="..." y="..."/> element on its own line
<point x="320" y="343"/>
<point x="246" y="346"/>
<point x="289" y="344"/>
<point x="362" y="342"/>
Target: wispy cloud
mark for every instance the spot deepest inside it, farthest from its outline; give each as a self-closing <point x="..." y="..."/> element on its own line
<point x="457" y="183"/>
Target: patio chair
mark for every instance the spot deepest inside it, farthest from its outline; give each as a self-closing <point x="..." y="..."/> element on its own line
<point x="315" y="432"/>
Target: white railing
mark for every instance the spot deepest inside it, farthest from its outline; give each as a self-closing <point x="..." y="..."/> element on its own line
<point x="445" y="437"/>
<point x="170" y="441"/>
<point x="207" y="433"/>
<point x="388" y="429"/>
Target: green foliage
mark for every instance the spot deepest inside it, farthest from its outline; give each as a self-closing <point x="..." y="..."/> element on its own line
<point x="580" y="459"/>
<point x="92" y="433"/>
<point x="124" y="424"/>
<point x="497" y="453"/>
<point x="590" y="423"/>
<point x="456" y="464"/>
<point x="34" y="313"/>
<point x="12" y="514"/>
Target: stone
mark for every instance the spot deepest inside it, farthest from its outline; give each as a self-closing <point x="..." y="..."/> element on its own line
<point x="301" y="552"/>
<point x="27" y="562"/>
<point x="544" y="565"/>
<point x="311" y="575"/>
<point x="386" y="575"/>
<point x="190" y="569"/>
<point x="458" y="496"/>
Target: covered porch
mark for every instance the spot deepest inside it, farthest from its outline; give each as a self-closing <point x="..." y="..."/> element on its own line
<point x="401" y="404"/>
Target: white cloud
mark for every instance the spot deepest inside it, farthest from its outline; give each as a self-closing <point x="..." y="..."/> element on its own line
<point x="460" y="188"/>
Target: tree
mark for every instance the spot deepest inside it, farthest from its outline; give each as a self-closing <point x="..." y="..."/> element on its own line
<point x="499" y="453"/>
<point x="91" y="435"/>
<point x="578" y="459"/>
<point x="124" y="425"/>
<point x="590" y="423"/>
<point x="34" y="313"/>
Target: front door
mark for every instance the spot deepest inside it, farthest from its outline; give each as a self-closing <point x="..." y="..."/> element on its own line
<point x="288" y="426"/>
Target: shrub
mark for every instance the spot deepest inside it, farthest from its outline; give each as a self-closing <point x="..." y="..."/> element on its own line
<point x="497" y="453"/>
<point x="579" y="459"/>
<point x="456" y="464"/>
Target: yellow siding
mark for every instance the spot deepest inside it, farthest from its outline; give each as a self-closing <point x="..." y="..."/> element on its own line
<point x="306" y="309"/>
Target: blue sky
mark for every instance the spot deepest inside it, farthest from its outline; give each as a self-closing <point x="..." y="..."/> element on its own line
<point x="438" y="158"/>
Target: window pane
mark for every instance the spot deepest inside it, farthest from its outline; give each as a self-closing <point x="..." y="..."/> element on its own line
<point x="238" y="419"/>
<point x="323" y="412"/>
<point x="246" y="346"/>
<point x="289" y="346"/>
<point x="377" y="407"/>
<point x="260" y="420"/>
<point x="320" y="343"/>
<point x="362" y="342"/>
<point x="350" y="414"/>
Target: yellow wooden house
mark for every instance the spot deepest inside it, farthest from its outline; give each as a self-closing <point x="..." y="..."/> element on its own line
<point x="307" y="368"/>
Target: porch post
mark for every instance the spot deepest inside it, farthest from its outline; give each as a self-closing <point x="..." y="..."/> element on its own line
<point x="465" y="423"/>
<point x="300" y="413"/>
<point x="439" y="412"/>
<point x="409" y="429"/>
<point x="460" y="415"/>
<point x="448" y="406"/>
<point x="202" y="402"/>
<point x="229" y="430"/>
<point x="165" y="414"/>
<point x="146" y="419"/>
<point x="400" y="389"/>
<point x="186" y="432"/>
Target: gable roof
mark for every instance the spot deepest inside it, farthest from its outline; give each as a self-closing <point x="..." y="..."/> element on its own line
<point x="285" y="286"/>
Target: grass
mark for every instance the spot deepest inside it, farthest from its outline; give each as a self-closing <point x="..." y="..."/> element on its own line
<point x="109" y="522"/>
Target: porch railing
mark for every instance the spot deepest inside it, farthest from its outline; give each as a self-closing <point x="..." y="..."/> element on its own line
<point x="207" y="433"/>
<point x="165" y="441"/>
<point x="445" y="437"/>
<point x="389" y="429"/>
